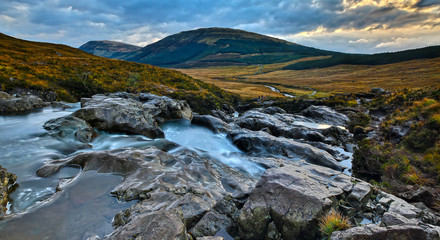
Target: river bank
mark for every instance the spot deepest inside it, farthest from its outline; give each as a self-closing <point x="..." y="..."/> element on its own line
<point x="264" y="174"/>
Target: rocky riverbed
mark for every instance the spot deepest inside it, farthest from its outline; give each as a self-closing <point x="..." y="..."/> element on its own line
<point x="294" y="169"/>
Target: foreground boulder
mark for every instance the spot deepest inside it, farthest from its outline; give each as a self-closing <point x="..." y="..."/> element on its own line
<point x="288" y="202"/>
<point x="7" y="180"/>
<point x="10" y="104"/>
<point x="174" y="191"/>
<point x="293" y="198"/>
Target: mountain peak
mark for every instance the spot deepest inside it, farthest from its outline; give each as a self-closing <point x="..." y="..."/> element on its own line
<point x="110" y="49"/>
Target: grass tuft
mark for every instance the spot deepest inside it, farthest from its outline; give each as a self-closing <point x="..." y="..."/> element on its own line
<point x="333" y="221"/>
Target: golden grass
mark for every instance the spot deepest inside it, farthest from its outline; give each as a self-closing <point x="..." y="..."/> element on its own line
<point x="333" y="221"/>
<point x="412" y="74"/>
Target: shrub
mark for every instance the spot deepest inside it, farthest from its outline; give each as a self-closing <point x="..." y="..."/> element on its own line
<point x="333" y="221"/>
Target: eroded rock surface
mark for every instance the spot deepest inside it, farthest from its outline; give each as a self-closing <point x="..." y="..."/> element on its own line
<point x="10" y="104"/>
<point x="7" y="180"/>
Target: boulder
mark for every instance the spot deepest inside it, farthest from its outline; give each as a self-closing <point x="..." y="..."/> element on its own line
<point x="325" y="114"/>
<point x="210" y="224"/>
<point x="374" y="232"/>
<point x="215" y="124"/>
<point x="20" y="104"/>
<point x="293" y="198"/>
<point x="163" y="183"/>
<point x="70" y="127"/>
<point x="263" y="144"/>
<point x="119" y="115"/>
<point x="165" y="108"/>
<point x="7" y="180"/>
<point x="153" y="225"/>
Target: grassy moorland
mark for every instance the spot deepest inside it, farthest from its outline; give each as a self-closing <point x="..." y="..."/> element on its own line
<point x="72" y="74"/>
<point x="412" y="74"/>
<point x="406" y="149"/>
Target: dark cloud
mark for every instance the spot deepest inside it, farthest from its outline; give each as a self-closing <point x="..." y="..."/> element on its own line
<point x="74" y="22"/>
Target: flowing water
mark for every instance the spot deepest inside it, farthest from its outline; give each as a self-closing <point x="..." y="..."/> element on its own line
<point x="85" y="207"/>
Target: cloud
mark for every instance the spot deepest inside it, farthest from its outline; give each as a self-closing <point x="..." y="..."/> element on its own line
<point x="142" y="22"/>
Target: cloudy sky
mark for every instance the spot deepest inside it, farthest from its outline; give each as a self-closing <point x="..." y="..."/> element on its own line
<point x="361" y="26"/>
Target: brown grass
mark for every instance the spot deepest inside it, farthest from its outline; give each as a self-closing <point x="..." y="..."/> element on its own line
<point x="338" y="79"/>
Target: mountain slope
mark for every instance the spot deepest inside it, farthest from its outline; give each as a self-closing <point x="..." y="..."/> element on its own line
<point x="109" y="49"/>
<point x="220" y="46"/>
<point x="73" y="73"/>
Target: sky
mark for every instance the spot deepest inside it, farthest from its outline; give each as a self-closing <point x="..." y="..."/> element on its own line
<point x="355" y="26"/>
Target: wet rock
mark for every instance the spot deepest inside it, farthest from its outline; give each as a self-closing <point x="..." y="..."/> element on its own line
<point x="165" y="108"/>
<point x="291" y="126"/>
<point x="163" y="182"/>
<point x="265" y="145"/>
<point x="20" y="104"/>
<point x="46" y="96"/>
<point x="70" y="127"/>
<point x="210" y="238"/>
<point x="221" y="115"/>
<point x="153" y="225"/>
<point x="215" y="124"/>
<point x="5" y="96"/>
<point x="293" y="198"/>
<point x="326" y="115"/>
<point x="7" y="180"/>
<point x="118" y="114"/>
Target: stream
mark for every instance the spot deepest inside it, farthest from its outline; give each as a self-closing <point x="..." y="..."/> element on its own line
<point x="85" y="208"/>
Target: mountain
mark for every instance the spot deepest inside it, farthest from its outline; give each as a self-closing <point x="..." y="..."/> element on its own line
<point x="72" y="73"/>
<point x="228" y="47"/>
<point x="109" y="49"/>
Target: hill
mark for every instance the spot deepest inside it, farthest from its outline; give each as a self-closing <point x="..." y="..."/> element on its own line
<point x="207" y="47"/>
<point x="109" y="49"/>
<point x="219" y="47"/>
<point x="72" y="73"/>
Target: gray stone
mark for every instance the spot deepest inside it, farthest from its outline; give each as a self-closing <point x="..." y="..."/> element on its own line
<point x="71" y="127"/>
<point x="326" y="115"/>
<point x="210" y="224"/>
<point x="215" y="124"/>
<point x="360" y="193"/>
<point x="20" y="104"/>
<point x="118" y="114"/>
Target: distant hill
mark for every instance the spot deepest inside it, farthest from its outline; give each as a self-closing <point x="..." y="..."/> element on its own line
<point x="73" y="74"/>
<point x="207" y="47"/>
<point x="109" y="49"/>
<point x="368" y="59"/>
<point x="219" y="47"/>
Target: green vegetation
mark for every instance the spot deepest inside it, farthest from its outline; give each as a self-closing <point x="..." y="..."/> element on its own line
<point x="73" y="74"/>
<point x="364" y="59"/>
<point x="220" y="47"/>
<point x="331" y="222"/>
<point x="408" y="148"/>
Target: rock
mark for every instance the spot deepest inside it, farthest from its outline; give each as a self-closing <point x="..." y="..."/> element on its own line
<point x="5" y="96"/>
<point x="70" y="127"/>
<point x="326" y="115"/>
<point x="221" y="115"/>
<point x="46" y="96"/>
<point x="373" y="232"/>
<point x="419" y="194"/>
<point x="153" y="225"/>
<point x="263" y="144"/>
<point x="20" y="104"/>
<point x="120" y="115"/>
<point x="210" y="238"/>
<point x="270" y="110"/>
<point x="293" y="198"/>
<point x="7" y="180"/>
<point x="210" y="224"/>
<point x="165" y="108"/>
<point x="360" y="194"/>
<point x="290" y="126"/>
<point x="215" y="124"/>
<point x="163" y="183"/>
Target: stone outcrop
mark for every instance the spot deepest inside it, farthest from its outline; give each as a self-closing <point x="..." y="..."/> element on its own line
<point x="7" y="180"/>
<point x="176" y="190"/>
<point x="265" y="145"/>
<point x="10" y="104"/>
<point x="70" y="127"/>
<point x="288" y="201"/>
<point x="132" y="114"/>
<point x="326" y="115"/>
